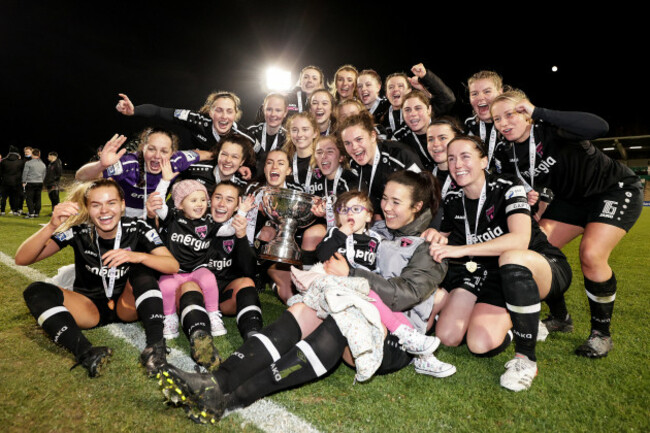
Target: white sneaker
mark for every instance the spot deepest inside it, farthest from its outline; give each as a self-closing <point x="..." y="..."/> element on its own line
<point x="216" y="324"/>
<point x="170" y="326"/>
<point x="429" y="364"/>
<point x="542" y="332"/>
<point x="414" y="342"/>
<point x="519" y="375"/>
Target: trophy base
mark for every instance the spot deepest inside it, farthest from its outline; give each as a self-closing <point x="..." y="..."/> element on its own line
<point x="281" y="254"/>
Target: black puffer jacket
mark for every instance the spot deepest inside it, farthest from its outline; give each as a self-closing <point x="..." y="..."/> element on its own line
<point x="11" y="170"/>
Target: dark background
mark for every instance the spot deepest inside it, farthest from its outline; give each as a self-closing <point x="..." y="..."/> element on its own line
<point x="65" y="62"/>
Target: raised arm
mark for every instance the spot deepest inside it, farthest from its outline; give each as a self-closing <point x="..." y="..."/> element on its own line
<point x="442" y="97"/>
<point x="573" y="124"/>
<point x="40" y="246"/>
<point x="111" y="154"/>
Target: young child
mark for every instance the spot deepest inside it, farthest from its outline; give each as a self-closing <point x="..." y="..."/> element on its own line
<point x="359" y="245"/>
<point x="188" y="230"/>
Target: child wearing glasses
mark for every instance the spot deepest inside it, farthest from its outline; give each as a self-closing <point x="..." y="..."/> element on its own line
<point x="358" y="244"/>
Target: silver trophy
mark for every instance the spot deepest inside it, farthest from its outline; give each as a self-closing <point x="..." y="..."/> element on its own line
<point x="289" y="210"/>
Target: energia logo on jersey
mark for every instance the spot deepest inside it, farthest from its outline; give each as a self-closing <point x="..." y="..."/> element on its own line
<point x="489" y="235"/>
<point x="190" y="241"/>
<point x="103" y="271"/>
<point x="219" y="264"/>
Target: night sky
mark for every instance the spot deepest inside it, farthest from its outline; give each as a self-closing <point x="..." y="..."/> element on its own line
<point x="65" y="62"/>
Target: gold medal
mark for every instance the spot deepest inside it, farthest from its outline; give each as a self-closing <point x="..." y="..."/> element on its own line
<point x="471" y="266"/>
<point x="111" y="304"/>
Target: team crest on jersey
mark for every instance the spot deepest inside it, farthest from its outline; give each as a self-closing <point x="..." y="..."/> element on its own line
<point x="490" y="213"/>
<point x="201" y="231"/>
<point x="181" y="114"/>
<point x="405" y="242"/>
<point x="372" y="246"/>
<point x="64" y="236"/>
<point x="539" y="150"/>
<point x="228" y="245"/>
<point x="153" y="237"/>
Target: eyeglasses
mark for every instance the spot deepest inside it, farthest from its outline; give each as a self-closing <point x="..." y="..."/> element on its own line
<point x="357" y="208"/>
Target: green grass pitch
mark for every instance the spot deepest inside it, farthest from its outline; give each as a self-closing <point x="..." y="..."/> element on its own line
<point x="570" y="394"/>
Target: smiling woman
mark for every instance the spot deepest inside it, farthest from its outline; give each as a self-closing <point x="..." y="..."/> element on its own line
<point x="373" y="159"/>
<point x="115" y="258"/>
<point x="138" y="173"/>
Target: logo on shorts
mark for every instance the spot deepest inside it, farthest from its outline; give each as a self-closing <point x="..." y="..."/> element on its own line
<point x="406" y="242"/>
<point x="609" y="209"/>
<point x="228" y="245"/>
<point x="490" y="213"/>
<point x="201" y="231"/>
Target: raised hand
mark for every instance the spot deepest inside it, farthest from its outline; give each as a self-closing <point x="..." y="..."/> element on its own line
<point x="111" y="152"/>
<point x="154" y="203"/>
<point x="525" y="107"/>
<point x="125" y="106"/>
<point x="246" y="204"/>
<point x="419" y="70"/>
<point x="167" y="172"/>
<point x="62" y="212"/>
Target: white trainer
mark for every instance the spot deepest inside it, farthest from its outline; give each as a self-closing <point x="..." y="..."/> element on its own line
<point x="414" y="342"/>
<point x="429" y="364"/>
<point x="519" y="375"/>
<point x="216" y="324"/>
<point x="170" y="326"/>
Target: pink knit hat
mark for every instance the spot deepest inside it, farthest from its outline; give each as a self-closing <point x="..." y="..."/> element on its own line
<point x="184" y="188"/>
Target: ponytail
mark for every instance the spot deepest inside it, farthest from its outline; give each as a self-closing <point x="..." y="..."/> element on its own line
<point x="424" y="187"/>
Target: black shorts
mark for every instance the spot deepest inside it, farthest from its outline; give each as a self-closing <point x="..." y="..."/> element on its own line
<point x="483" y="283"/>
<point x="486" y="285"/>
<point x="561" y="276"/>
<point x="106" y="315"/>
<point x="619" y="207"/>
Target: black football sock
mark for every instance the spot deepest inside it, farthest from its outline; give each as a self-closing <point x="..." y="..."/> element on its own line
<point x="249" y="312"/>
<point x="601" y="303"/>
<point x="45" y="302"/>
<point x="258" y="351"/>
<point x="193" y="314"/>
<point x="309" y="359"/>
<point x="523" y="304"/>
<point x="148" y="302"/>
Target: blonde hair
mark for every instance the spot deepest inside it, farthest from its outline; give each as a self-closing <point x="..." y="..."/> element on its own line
<point x="514" y="96"/>
<point x="212" y="98"/>
<point x="289" y="146"/>
<point x="332" y="85"/>
<point x="486" y="75"/>
<point x="78" y="193"/>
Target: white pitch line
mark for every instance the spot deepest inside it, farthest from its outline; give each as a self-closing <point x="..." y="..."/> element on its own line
<point x="264" y="414"/>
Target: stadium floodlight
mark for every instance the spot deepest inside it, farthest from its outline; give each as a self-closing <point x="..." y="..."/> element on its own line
<point x="278" y="80"/>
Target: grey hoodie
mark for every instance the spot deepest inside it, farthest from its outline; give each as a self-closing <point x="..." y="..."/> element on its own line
<point x="418" y="279"/>
<point x="34" y="171"/>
